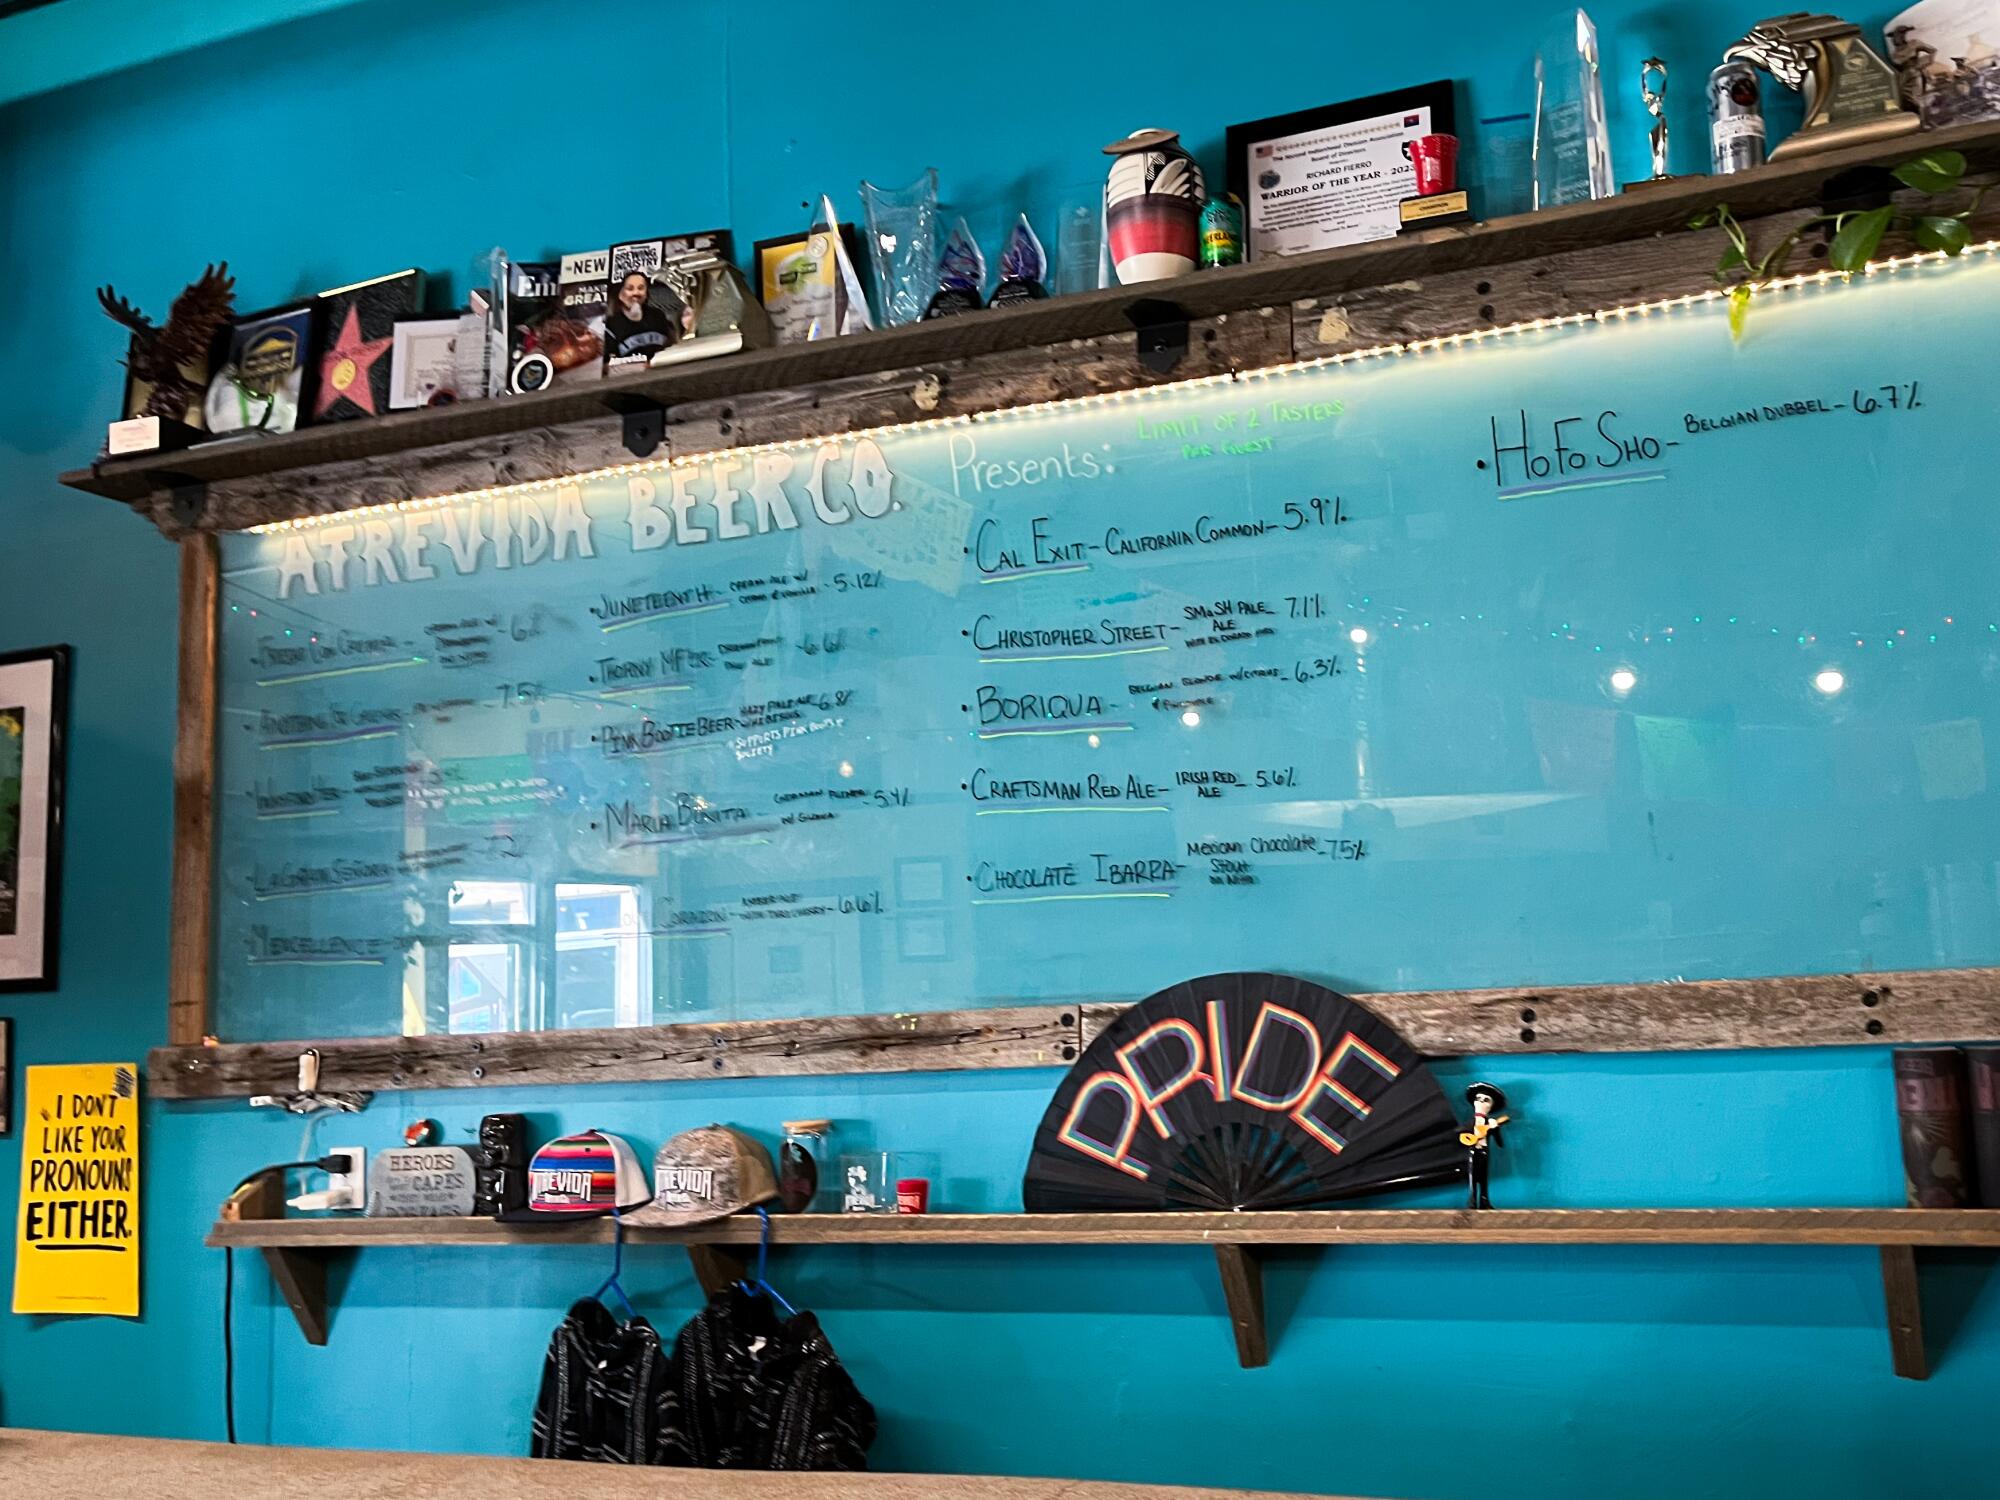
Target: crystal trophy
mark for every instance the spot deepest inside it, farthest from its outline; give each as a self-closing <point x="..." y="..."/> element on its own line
<point x="902" y="246"/>
<point x="828" y="287"/>
<point x="1024" y="267"/>
<point x="961" y="276"/>
<point x="1852" y="96"/>
<point x="1572" y="150"/>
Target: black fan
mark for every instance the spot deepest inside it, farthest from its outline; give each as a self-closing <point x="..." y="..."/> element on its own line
<point x="1241" y="1091"/>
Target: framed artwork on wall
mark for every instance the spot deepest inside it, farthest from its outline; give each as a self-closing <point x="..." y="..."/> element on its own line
<point x="34" y="709"/>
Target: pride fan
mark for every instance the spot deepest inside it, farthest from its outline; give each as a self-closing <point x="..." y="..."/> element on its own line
<point x="1241" y="1091"/>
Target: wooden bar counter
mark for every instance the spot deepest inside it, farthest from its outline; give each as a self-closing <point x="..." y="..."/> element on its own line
<point x="77" y="1466"/>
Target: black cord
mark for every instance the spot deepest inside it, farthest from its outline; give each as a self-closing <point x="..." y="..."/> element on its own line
<point x="322" y="1164"/>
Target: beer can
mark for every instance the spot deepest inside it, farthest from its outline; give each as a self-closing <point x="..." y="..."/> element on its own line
<point x="1735" y="119"/>
<point x="1221" y="232"/>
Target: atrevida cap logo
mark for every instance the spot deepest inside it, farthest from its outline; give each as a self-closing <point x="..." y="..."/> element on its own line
<point x="707" y="1174"/>
<point x="679" y="1187"/>
<point x="585" y="1175"/>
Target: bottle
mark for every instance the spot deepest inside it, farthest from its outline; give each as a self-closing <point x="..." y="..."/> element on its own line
<point x="1222" y="232"/>
<point x="1735" y="119"/>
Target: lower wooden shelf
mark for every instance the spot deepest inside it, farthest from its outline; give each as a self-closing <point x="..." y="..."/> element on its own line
<point x="297" y="1249"/>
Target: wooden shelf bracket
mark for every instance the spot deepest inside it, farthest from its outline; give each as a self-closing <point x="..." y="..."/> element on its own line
<point x="1242" y="1269"/>
<point x="297" y="1272"/>
<point x="1903" y="1303"/>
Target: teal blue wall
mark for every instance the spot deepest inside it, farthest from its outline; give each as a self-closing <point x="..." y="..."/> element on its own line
<point x="375" y="135"/>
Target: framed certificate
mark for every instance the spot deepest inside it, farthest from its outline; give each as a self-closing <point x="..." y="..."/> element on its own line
<point x="1317" y="178"/>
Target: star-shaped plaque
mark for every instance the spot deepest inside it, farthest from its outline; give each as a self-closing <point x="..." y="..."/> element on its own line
<point x="345" y="367"/>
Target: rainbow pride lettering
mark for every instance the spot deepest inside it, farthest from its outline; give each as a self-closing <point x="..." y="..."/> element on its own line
<point x="1174" y="1055"/>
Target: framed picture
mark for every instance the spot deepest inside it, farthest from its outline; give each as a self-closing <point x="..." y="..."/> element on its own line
<point x="34" y="709"/>
<point x="357" y="325"/>
<point x="261" y="362"/>
<point x="6" y="1076"/>
<point x="423" y="363"/>
<point x="796" y="285"/>
<point x="1331" y="176"/>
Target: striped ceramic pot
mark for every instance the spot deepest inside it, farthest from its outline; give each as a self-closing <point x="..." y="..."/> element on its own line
<point x="1152" y="206"/>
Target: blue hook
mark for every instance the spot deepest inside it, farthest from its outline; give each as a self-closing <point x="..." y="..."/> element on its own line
<point x="611" y="1282"/>
<point x="760" y="1284"/>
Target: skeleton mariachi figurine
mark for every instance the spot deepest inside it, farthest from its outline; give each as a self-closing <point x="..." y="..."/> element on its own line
<point x="1487" y="1101"/>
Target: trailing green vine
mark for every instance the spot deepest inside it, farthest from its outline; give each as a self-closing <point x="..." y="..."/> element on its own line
<point x="1856" y="233"/>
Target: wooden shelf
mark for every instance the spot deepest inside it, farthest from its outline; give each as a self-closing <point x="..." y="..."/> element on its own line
<point x="1774" y="188"/>
<point x="297" y="1248"/>
<point x="1636" y="1226"/>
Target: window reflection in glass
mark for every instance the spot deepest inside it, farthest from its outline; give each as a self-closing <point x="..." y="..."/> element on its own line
<point x="604" y="963"/>
<point x="488" y="980"/>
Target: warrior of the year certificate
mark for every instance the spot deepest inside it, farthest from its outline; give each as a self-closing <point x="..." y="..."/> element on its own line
<point x="1333" y="176"/>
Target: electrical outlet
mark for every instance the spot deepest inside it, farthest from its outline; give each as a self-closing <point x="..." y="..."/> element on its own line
<point x="349" y="1189"/>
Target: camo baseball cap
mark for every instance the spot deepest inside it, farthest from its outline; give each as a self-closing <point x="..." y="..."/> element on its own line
<point x="707" y="1174"/>
<point x="581" y="1176"/>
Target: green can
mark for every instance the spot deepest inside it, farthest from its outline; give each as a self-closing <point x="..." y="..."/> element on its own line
<point x="1222" y="232"/>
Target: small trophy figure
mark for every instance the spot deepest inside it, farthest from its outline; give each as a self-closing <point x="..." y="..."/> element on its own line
<point x="1486" y="1100"/>
<point x="1654" y="96"/>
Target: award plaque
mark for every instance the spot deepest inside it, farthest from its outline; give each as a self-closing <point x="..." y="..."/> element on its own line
<point x="1572" y="152"/>
<point x="1851" y="95"/>
<point x="1319" y="178"/>
<point x="722" y="316"/>
<point x="421" y="1182"/>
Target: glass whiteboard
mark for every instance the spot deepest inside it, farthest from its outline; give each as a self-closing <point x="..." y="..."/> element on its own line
<point x="1620" y="653"/>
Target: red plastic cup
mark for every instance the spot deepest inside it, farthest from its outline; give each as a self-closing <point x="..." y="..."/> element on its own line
<point x="913" y="1195"/>
<point x="1436" y="159"/>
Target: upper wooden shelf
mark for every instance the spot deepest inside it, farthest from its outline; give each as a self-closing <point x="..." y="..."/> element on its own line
<point x="1641" y="1226"/>
<point x="1791" y="184"/>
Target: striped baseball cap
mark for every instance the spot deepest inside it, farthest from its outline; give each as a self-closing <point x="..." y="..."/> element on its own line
<point x="582" y="1176"/>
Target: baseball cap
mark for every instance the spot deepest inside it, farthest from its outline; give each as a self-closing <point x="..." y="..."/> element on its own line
<point x="707" y="1174"/>
<point x="581" y="1176"/>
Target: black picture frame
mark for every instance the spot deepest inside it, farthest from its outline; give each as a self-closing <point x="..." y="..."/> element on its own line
<point x="6" y="1075"/>
<point x="1239" y="141"/>
<point x="58" y="658"/>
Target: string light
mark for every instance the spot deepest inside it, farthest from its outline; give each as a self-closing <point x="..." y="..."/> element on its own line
<point x="1418" y="347"/>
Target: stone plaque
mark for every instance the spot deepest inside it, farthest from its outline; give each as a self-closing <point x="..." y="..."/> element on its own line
<point x="421" y="1182"/>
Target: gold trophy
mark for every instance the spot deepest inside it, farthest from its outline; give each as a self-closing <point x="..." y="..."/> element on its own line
<point x="1851" y="94"/>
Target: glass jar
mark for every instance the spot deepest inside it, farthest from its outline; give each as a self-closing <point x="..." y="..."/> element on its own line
<point x="868" y="1183"/>
<point x="799" y="1160"/>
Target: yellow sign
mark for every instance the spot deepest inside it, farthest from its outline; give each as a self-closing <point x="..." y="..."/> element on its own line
<point x="77" y="1250"/>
